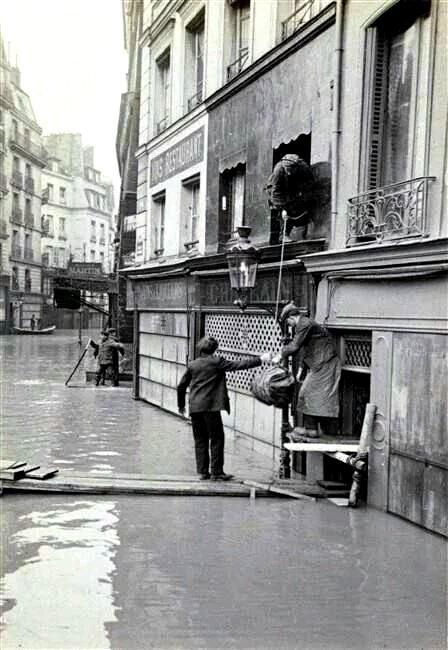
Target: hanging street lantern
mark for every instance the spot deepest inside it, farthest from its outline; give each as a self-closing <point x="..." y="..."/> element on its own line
<point x="242" y="259"/>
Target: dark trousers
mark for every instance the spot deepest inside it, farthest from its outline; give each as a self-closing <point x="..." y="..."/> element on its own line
<point x="329" y="426"/>
<point x="208" y="432"/>
<point x="105" y="370"/>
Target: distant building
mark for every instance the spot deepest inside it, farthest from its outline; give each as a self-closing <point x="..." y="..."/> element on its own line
<point x="78" y="211"/>
<point x="22" y="158"/>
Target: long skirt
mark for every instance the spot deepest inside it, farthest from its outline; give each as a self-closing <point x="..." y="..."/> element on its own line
<point x="319" y="395"/>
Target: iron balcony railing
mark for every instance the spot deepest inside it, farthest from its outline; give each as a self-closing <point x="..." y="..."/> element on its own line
<point x="162" y="125"/>
<point x="17" y="215"/>
<point x="3" y="184"/>
<point x="29" y="184"/>
<point x="28" y="253"/>
<point x="27" y="145"/>
<point x="195" y="100"/>
<point x="237" y="66"/>
<point x="45" y="259"/>
<point x="389" y="212"/>
<point x="17" y="179"/>
<point x="29" y="220"/>
<point x="303" y="14"/>
<point x="3" y="229"/>
<point x="16" y="251"/>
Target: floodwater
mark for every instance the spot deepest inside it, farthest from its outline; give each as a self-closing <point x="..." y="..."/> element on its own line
<point x="81" y="572"/>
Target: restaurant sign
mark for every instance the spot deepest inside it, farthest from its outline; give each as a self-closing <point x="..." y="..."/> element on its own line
<point x="180" y="156"/>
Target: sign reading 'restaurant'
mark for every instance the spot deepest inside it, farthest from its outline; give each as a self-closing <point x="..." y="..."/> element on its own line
<point x="182" y="155"/>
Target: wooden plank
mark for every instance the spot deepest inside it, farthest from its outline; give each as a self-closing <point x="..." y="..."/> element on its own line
<point x="321" y="446"/>
<point x="42" y="473"/>
<point x="348" y="460"/>
<point x="338" y="501"/>
<point x="278" y="490"/>
<point x="11" y="474"/>
<point x="30" y="468"/>
<point x="109" y="486"/>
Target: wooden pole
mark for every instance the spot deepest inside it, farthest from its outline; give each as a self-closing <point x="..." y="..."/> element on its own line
<point x="79" y="361"/>
<point x="364" y="442"/>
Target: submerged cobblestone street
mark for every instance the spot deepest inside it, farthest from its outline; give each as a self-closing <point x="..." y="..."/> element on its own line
<point x="182" y="572"/>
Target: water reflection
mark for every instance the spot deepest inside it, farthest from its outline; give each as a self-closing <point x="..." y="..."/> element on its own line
<point x="60" y="594"/>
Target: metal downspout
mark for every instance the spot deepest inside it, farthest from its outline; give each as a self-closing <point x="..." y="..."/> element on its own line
<point x="336" y="119"/>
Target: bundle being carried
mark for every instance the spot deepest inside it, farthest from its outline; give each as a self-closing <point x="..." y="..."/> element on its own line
<point x="273" y="386"/>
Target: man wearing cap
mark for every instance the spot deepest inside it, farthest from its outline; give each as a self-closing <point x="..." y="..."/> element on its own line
<point x="313" y="347"/>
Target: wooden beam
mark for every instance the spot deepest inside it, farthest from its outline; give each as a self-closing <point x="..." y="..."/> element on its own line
<point x="322" y="446"/>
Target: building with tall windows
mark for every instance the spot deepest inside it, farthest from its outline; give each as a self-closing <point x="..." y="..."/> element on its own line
<point x="228" y="88"/>
<point x="22" y="158"/>
<point x="78" y="212"/>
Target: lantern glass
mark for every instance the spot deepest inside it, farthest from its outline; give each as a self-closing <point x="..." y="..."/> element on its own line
<point x="242" y="270"/>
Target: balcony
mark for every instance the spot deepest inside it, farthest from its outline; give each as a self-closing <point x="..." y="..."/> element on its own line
<point x="195" y="100"/>
<point x="17" y="216"/>
<point x="16" y="251"/>
<point x="28" y="253"/>
<point x="3" y="229"/>
<point x="17" y="180"/>
<point x="391" y="212"/>
<point x="303" y="14"/>
<point x="237" y="66"/>
<point x="3" y="184"/>
<point x="29" y="220"/>
<point x="93" y="239"/>
<point x="29" y="184"/>
<point x="28" y="148"/>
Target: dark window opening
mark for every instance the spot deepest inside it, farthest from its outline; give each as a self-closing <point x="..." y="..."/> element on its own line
<point x="232" y="188"/>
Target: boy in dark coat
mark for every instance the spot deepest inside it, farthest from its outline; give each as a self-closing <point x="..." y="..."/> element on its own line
<point x="206" y="377"/>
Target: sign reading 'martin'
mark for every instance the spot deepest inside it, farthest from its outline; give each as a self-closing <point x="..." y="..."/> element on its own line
<point x="182" y="155"/>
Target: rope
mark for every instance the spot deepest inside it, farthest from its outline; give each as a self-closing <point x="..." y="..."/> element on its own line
<point x="274" y="325"/>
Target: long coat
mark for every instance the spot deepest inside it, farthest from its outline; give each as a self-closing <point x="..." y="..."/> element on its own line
<point x="319" y="395"/>
<point x="206" y="377"/>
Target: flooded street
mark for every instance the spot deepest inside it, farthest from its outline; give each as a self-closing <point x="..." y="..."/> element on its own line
<point x="182" y="572"/>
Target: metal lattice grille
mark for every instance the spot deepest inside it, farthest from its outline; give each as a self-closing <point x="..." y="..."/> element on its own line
<point x="240" y="334"/>
<point x="358" y="352"/>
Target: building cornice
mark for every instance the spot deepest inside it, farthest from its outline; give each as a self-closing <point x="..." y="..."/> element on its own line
<point x="428" y="251"/>
<point x="274" y="56"/>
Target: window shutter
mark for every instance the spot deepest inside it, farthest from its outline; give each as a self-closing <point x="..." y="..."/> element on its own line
<point x="378" y="105"/>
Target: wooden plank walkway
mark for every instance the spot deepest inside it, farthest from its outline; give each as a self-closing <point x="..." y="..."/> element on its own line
<point x="71" y="483"/>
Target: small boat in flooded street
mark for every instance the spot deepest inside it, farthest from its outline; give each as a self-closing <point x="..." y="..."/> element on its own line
<point x="28" y="330"/>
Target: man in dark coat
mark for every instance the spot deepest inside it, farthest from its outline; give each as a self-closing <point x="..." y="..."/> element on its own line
<point x="290" y="188"/>
<point x="206" y="377"/>
<point x="106" y="352"/>
<point x="313" y="347"/>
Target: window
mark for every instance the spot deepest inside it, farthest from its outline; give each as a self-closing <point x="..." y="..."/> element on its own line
<point x="27" y="137"/>
<point x="159" y="224"/>
<point x="194" y="62"/>
<point x="28" y="208"/>
<point x="62" y="195"/>
<point x="48" y="226"/>
<point x="55" y="257"/>
<point x="232" y="201"/>
<point x="393" y="59"/>
<point x="50" y="189"/>
<point x="62" y="257"/>
<point x="163" y="92"/>
<point x="102" y="260"/>
<point x="92" y="256"/>
<point x="15" y="130"/>
<point x="27" y="281"/>
<point x="62" y="226"/>
<point x="102" y="235"/>
<point x="16" y="203"/>
<point x="240" y="41"/>
<point x="28" y="171"/>
<point x="190" y="207"/>
<point x="15" y="279"/>
<point x="16" y="164"/>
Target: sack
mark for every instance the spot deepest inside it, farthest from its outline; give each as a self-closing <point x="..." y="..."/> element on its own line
<point x="274" y="387"/>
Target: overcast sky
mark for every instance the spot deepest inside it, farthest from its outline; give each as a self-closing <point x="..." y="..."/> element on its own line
<point x="73" y="64"/>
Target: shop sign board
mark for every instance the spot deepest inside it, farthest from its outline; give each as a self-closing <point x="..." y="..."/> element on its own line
<point x="186" y="153"/>
<point x="85" y="268"/>
<point x="166" y="293"/>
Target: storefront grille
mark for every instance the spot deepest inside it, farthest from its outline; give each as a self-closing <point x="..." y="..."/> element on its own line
<point x="357" y="352"/>
<point x="239" y="335"/>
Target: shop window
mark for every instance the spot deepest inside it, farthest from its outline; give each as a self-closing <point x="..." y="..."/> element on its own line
<point x="194" y="62"/>
<point x="356" y="360"/>
<point x="159" y="205"/>
<point x="232" y="198"/>
<point x="190" y="209"/>
<point x="162" y="107"/>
